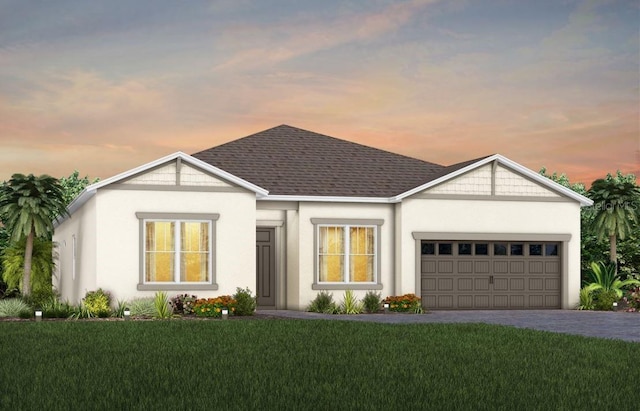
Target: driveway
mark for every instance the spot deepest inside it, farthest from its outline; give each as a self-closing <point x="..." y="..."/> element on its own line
<point x="615" y="325"/>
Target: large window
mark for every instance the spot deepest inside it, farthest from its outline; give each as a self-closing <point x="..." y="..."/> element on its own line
<point x="347" y="254"/>
<point x="177" y="251"/>
<point x="167" y="262"/>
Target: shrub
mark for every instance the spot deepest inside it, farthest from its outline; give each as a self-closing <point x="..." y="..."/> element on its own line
<point x="323" y="303"/>
<point x="605" y="300"/>
<point x="586" y="299"/>
<point x="39" y="297"/>
<point x="81" y="311"/>
<point x="408" y="303"/>
<point x="604" y="277"/>
<point x="119" y="310"/>
<point x="161" y="304"/>
<point x="98" y="303"/>
<point x="212" y="307"/>
<point x="632" y="299"/>
<point x="371" y="302"/>
<point x="183" y="303"/>
<point x="245" y="302"/>
<point x="14" y="307"/>
<point x="142" y="307"/>
<point x="351" y="304"/>
<point x="54" y="308"/>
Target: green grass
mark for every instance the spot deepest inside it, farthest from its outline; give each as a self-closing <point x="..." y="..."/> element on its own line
<point x="305" y="365"/>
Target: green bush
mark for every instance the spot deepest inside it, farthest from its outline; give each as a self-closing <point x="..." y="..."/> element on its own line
<point x="40" y="296"/>
<point x="161" y="304"/>
<point x="605" y="300"/>
<point x="351" y="304"/>
<point x="372" y="301"/>
<point x="54" y="308"/>
<point x="323" y="303"/>
<point x="245" y="302"/>
<point x="98" y="303"/>
<point x="81" y="311"/>
<point x="118" y="312"/>
<point x="142" y="307"/>
<point x="586" y="299"/>
<point x="13" y="307"/>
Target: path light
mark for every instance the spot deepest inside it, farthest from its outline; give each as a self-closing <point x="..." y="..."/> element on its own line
<point x="38" y="315"/>
<point x="615" y="306"/>
<point x="386" y="307"/>
<point x="225" y="313"/>
<point x="127" y="314"/>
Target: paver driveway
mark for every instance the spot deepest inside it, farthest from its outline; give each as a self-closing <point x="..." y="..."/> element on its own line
<point x="616" y="325"/>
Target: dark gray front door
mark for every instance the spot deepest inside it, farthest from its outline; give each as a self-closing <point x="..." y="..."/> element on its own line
<point x="266" y="267"/>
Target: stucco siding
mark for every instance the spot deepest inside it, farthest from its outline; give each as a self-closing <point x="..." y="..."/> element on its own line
<point x="118" y="257"/>
<point x="74" y="277"/>
<point x="517" y="217"/>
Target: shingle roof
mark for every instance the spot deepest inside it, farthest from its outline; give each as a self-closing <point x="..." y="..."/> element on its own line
<point x="290" y="161"/>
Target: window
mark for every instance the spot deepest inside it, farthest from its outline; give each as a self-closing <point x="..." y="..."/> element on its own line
<point x="445" y="248"/>
<point x="517" y="249"/>
<point x="499" y="249"/>
<point x="165" y="261"/>
<point x="482" y="249"/>
<point x="551" y="249"/>
<point x="428" y="248"/>
<point x="535" y="249"/>
<point x="346" y="254"/>
<point x="177" y="251"/>
<point x="464" y="249"/>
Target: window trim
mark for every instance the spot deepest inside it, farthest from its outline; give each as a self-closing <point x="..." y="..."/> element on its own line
<point x="177" y="218"/>
<point x="376" y="224"/>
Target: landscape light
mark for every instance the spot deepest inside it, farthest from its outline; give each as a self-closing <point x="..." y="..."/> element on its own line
<point x="225" y="313"/>
<point x="127" y="314"/>
<point x="38" y="315"/>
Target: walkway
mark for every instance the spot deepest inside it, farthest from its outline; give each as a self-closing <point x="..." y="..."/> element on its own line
<point x="615" y="325"/>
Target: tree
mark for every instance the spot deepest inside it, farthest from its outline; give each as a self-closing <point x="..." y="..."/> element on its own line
<point x="28" y="206"/>
<point x="616" y="208"/>
<point x="73" y="185"/>
<point x="41" y="265"/>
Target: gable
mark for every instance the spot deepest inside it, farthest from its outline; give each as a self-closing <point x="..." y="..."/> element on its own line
<point x="177" y="173"/>
<point x="495" y="179"/>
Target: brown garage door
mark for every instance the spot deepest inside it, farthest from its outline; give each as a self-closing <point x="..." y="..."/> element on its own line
<point x="490" y="275"/>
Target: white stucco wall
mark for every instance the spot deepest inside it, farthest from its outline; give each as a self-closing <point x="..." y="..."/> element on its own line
<point x="80" y="225"/>
<point x="118" y="230"/>
<point x="484" y="216"/>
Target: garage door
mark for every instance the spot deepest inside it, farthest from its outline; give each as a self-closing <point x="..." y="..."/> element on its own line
<point x="490" y="275"/>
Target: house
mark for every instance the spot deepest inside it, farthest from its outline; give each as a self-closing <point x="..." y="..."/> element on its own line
<point x="289" y="212"/>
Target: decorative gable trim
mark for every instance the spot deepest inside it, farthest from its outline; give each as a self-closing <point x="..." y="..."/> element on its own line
<point x="496" y="162"/>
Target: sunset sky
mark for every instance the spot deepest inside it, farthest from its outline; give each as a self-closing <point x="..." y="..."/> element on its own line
<point x="105" y="86"/>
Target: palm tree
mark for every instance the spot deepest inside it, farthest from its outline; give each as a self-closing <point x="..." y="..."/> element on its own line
<point x="28" y="206"/>
<point x="617" y="208"/>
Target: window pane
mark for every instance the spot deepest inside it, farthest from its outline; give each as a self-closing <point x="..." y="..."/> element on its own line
<point x="361" y="267"/>
<point x="331" y="254"/>
<point x="499" y="249"/>
<point x="445" y="249"/>
<point x="464" y="249"/>
<point x="159" y="251"/>
<point x="551" y="249"/>
<point x="482" y="249"/>
<point x="361" y="239"/>
<point x="517" y="249"/>
<point x="194" y="255"/>
<point x="535" y="249"/>
<point x="428" y="248"/>
<point x="331" y="268"/>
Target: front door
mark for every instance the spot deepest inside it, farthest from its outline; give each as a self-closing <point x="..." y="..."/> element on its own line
<point x="266" y="267"/>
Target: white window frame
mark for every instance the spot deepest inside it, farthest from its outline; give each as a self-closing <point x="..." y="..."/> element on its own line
<point x="177" y="219"/>
<point x="346" y="225"/>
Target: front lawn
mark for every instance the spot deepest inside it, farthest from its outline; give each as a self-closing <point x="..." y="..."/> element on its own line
<point x="315" y="365"/>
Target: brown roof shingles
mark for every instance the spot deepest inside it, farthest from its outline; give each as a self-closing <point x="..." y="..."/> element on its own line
<point x="290" y="161"/>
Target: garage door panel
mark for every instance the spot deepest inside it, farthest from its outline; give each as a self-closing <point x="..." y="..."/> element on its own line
<point x="465" y="267"/>
<point x="445" y="284"/>
<point x="482" y="284"/>
<point x="465" y="284"/>
<point x="516" y="267"/>
<point x="516" y="284"/>
<point x="481" y="267"/>
<point x="519" y="280"/>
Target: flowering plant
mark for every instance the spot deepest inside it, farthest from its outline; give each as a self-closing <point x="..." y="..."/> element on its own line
<point x="632" y="298"/>
<point x="404" y="303"/>
<point x="212" y="307"/>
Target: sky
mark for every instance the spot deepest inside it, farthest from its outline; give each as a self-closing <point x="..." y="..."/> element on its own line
<point x="105" y="86"/>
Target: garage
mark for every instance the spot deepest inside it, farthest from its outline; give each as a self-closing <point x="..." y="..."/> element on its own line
<point x="489" y="275"/>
